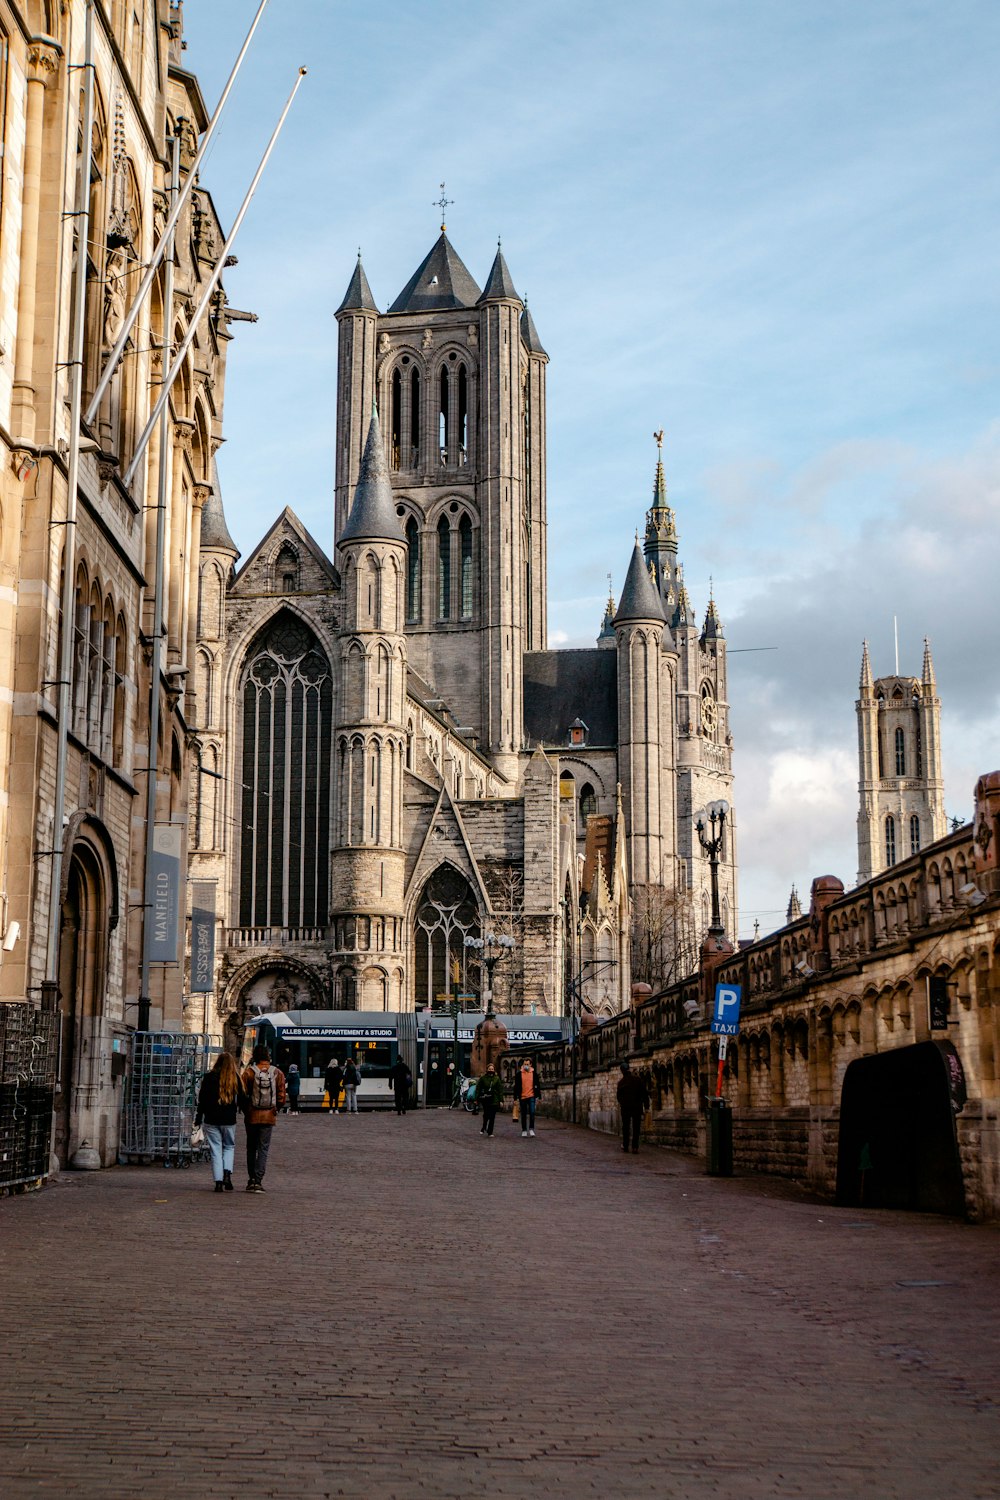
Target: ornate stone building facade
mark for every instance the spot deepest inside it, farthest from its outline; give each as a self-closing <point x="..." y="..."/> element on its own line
<point x="901" y="788"/>
<point x="405" y="761"/>
<point x="78" y="947"/>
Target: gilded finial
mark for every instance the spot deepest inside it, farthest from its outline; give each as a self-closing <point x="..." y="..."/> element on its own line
<point x="658" y="436"/>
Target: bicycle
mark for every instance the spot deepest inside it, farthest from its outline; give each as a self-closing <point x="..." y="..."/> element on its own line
<point x="465" y="1095"/>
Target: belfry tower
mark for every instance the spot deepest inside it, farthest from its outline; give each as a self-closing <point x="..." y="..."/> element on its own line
<point x="900" y="787"/>
<point x="368" y="859"/>
<point x="458" y="378"/>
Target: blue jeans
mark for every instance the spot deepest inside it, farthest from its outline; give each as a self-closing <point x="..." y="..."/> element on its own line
<point x="527" y="1115"/>
<point x="351" y="1100"/>
<point x="222" y="1144"/>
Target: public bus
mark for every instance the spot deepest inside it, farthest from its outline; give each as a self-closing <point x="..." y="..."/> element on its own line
<point x="374" y="1040"/>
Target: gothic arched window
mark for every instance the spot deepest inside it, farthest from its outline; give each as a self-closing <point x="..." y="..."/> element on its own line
<point x="890" y="840"/>
<point x="414" y="419"/>
<point x="465" y="541"/>
<point x="900" y="753"/>
<point x="914" y="834"/>
<point x="444" y="568"/>
<point x="588" y="803"/>
<point x="286" y="571"/>
<point x="287" y="720"/>
<point x="463" y="415"/>
<point x="412" y="569"/>
<point x="448" y="913"/>
<point x="396" y="420"/>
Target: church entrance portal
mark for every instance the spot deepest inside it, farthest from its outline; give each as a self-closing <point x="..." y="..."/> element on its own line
<point x="898" y="1144"/>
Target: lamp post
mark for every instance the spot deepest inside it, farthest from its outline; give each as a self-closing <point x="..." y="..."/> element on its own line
<point x="711" y="826"/>
<point x="491" y="948"/>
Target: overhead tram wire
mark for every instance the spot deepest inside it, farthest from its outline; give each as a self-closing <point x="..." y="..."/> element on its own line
<point x="133" y="313"/>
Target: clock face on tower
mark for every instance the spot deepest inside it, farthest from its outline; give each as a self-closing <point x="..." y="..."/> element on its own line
<point x="709" y="713"/>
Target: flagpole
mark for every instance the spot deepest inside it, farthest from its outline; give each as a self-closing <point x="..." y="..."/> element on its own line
<point x="166" y="237"/>
<point x="207" y="295"/>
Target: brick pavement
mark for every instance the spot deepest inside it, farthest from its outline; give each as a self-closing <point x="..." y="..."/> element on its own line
<point x="412" y="1311"/>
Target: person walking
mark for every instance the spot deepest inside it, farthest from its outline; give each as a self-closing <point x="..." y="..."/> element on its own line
<point x="352" y="1077"/>
<point x="400" y="1079"/>
<point x="293" y="1082"/>
<point x="633" y="1098"/>
<point x="220" y="1096"/>
<point x="265" y="1087"/>
<point x="489" y="1093"/>
<point x="333" y="1079"/>
<point x="528" y="1090"/>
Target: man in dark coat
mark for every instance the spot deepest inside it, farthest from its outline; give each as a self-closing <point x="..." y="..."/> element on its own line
<point x="399" y="1081"/>
<point x="633" y="1098"/>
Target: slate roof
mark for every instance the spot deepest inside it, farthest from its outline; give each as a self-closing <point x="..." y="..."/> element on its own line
<point x="529" y="334"/>
<point x="560" y="686"/>
<point x="358" y="296"/>
<point x="214" y="531"/>
<point x="373" y="513"/>
<point x="499" y="283"/>
<point x="639" y="600"/>
<point x="439" y="282"/>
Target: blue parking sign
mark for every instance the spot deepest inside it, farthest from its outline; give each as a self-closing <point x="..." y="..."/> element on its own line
<point x="726" y="1020"/>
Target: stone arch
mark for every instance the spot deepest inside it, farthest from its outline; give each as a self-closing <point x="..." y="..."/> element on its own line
<point x="445" y="911"/>
<point x="245" y="981"/>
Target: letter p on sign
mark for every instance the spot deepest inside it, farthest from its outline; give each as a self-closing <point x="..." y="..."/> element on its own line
<point x="726" y="1020"/>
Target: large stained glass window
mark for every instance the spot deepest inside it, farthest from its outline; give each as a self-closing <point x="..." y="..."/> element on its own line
<point x="287" y="721"/>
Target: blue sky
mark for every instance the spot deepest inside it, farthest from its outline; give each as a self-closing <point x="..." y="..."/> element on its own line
<point x="770" y="229"/>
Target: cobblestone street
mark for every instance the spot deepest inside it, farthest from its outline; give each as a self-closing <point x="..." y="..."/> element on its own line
<point x="412" y="1310"/>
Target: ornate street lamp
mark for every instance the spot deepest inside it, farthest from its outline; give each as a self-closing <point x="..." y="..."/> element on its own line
<point x="491" y="948"/>
<point x="711" y="825"/>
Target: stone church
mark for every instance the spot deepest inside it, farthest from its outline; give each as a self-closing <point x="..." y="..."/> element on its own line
<point x="392" y="759"/>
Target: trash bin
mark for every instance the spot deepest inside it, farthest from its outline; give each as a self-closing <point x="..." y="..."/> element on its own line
<point x="719" y="1139"/>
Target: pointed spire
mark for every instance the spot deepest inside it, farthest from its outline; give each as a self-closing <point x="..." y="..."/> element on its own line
<point x="373" y="514"/>
<point x="794" y="907"/>
<point x="440" y="281"/>
<point x="927" y="675"/>
<point x="608" y="622"/>
<point x="358" y="297"/>
<point x="867" y="682"/>
<point x="660" y="523"/>
<point x="639" y="600"/>
<point x="499" y="284"/>
<point x="529" y="333"/>
<point x="712" y="629"/>
<point x="214" y="531"/>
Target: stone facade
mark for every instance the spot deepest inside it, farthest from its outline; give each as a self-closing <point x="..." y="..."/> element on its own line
<point x="875" y="1013"/>
<point x="75" y="701"/>
<point x="900" y="787"/>
<point x="549" y="794"/>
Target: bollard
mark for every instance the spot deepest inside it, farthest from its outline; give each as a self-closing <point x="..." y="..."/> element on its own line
<point x="719" y="1139"/>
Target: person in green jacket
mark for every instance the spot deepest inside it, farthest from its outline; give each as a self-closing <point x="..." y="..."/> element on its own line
<point x="489" y="1093"/>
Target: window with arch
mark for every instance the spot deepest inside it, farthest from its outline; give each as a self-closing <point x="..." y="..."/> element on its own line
<point x="412" y="570"/>
<point x="465" y="549"/>
<point x="444" y="411"/>
<point x="447" y="914"/>
<point x="286" y="714"/>
<point x="890" y="840"/>
<point x="914" y="834"/>
<point x="404" y="416"/>
<point x="286" y="570"/>
<point x="444" y="569"/>
<point x="588" y="802"/>
<point x="567" y="786"/>
<point x="900" y="753"/>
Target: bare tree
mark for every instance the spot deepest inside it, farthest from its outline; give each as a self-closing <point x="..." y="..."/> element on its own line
<point x="664" y="936"/>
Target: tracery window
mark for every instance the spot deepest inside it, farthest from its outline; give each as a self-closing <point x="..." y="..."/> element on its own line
<point x="287" y="721"/>
<point x="444" y="569"/>
<point x="447" y="914"/>
<point x="412" y="570"/>
<point x="465" y="544"/>
<point x="900" y="753"/>
<point x="890" y="840"/>
<point x="914" y="834"/>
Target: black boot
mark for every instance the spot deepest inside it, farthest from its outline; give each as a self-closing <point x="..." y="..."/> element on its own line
<point x="218" y="1187"/>
<point x="227" y="1181"/>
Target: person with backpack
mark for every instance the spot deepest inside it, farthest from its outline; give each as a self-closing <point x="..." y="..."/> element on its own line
<point x="265" y="1087"/>
<point x="333" y="1078"/>
<point x="352" y="1077"/>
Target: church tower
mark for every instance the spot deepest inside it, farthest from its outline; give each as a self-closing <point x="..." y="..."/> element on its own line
<point x="368" y="858"/>
<point x="643" y="716"/>
<point x="900" y="787"/>
<point x="458" y="377"/>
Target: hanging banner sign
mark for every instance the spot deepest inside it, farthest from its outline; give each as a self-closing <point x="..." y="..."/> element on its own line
<point x="202" y="937"/>
<point x="163" y="892"/>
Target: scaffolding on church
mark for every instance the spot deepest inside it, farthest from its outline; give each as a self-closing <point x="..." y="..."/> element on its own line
<point x="161" y="1093"/>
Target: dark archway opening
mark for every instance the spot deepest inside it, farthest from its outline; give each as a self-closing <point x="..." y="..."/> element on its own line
<point x="898" y="1144"/>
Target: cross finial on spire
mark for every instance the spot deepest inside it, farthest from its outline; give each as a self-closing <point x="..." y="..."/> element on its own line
<point x="442" y="203"/>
